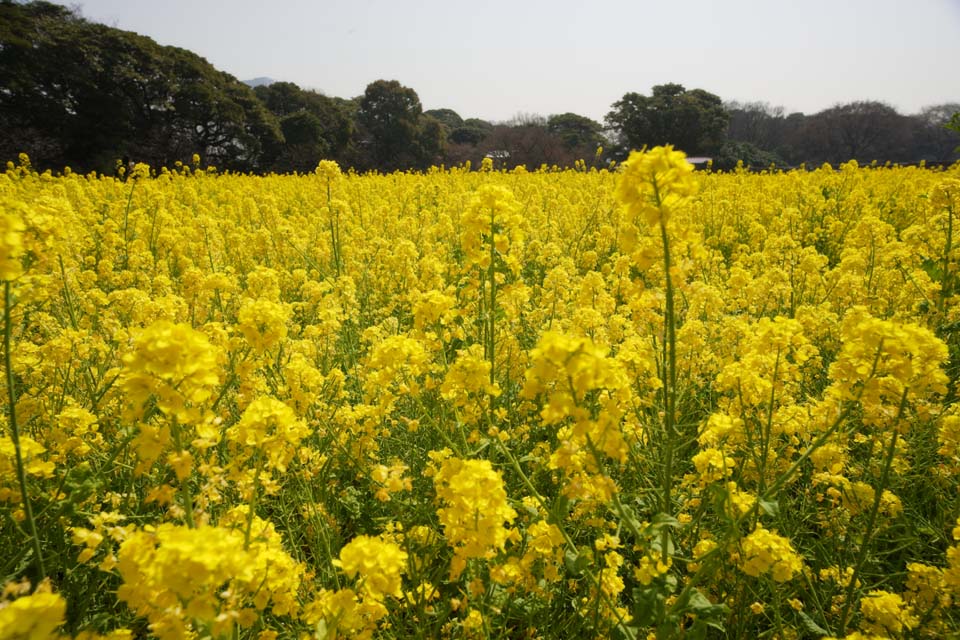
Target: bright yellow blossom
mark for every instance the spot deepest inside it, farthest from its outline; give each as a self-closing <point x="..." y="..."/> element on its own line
<point x="174" y="365"/>
<point x="655" y="182"/>
<point x="380" y="565"/>
<point x="474" y="510"/>
<point x="767" y="552"/>
<point x="33" y="617"/>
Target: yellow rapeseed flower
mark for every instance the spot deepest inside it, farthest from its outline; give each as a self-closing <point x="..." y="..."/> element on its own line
<point x="379" y="563"/>
<point x="33" y="617"/>
<point x="11" y="240"/>
<point x="766" y="552"/>
<point x="474" y="510"/>
<point x="173" y="364"/>
<point x="655" y="182"/>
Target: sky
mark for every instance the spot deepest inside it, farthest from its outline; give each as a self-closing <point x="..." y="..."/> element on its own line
<point x="496" y="59"/>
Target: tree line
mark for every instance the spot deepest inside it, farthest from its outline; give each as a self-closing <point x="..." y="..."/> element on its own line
<point x="80" y="94"/>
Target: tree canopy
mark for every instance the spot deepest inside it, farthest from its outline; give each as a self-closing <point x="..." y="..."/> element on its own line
<point x="692" y="120"/>
<point x="83" y="94"/>
<point x="575" y="131"/>
<point x="80" y="94"/>
<point x="314" y="126"/>
<point x="449" y="118"/>
<point x="390" y="115"/>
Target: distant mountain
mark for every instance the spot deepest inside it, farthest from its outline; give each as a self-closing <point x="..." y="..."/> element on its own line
<point x="259" y="82"/>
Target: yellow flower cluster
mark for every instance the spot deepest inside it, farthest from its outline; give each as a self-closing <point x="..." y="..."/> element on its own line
<point x="11" y="241"/>
<point x="30" y="617"/>
<point x="263" y="323"/>
<point x="886" y="614"/>
<point x="184" y="579"/>
<point x="174" y="366"/>
<point x="492" y="225"/>
<point x="379" y="564"/>
<point x="598" y="402"/>
<point x="33" y="461"/>
<point x="653" y="184"/>
<point x="764" y="551"/>
<point x="882" y="360"/>
<point x="473" y="509"/>
<point x="270" y="427"/>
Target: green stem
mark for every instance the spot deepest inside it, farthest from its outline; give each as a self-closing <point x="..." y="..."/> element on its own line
<point x="669" y="378"/>
<point x="68" y="300"/>
<point x="947" y="286"/>
<point x="253" y="499"/>
<point x="872" y="518"/>
<point x="334" y="232"/>
<point x="491" y="312"/>
<point x="185" y="494"/>
<point x="621" y="623"/>
<point x="768" y="426"/>
<point x="15" y="433"/>
<point x="126" y="225"/>
<point x="321" y="528"/>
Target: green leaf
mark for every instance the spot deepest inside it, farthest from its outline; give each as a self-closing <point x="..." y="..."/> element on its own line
<point x="663" y="520"/>
<point x="811" y="627"/>
<point x="575" y="562"/>
<point x="647" y="605"/>
<point x="770" y="507"/>
<point x="667" y="630"/>
<point x="701" y="605"/>
<point x="630" y="518"/>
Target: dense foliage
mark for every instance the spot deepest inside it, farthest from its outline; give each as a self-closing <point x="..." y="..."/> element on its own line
<point x="693" y="120"/>
<point x="475" y="404"/>
<point x="86" y="95"/>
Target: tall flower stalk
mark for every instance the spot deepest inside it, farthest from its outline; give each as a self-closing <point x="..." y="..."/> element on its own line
<point x="11" y="252"/>
<point x="653" y="185"/>
<point x="15" y="433"/>
<point x="491" y="239"/>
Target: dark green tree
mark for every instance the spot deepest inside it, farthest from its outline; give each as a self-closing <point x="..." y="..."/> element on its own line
<point x="693" y="121"/>
<point x="314" y="126"/>
<point x="472" y="132"/>
<point x="576" y="131"/>
<point x="862" y="130"/>
<point x="303" y="143"/>
<point x="478" y="123"/>
<point x="389" y="115"/>
<point x="935" y="136"/>
<point x="954" y="125"/>
<point x="84" y="95"/>
<point x="216" y="115"/>
<point x="753" y="157"/>
<point x="282" y="98"/>
<point x="432" y="142"/>
<point x="449" y="118"/>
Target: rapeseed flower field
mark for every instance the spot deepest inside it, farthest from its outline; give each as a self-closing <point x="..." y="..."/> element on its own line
<point x="632" y="402"/>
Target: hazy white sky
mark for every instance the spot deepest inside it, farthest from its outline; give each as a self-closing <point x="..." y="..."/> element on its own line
<point x="495" y="58"/>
